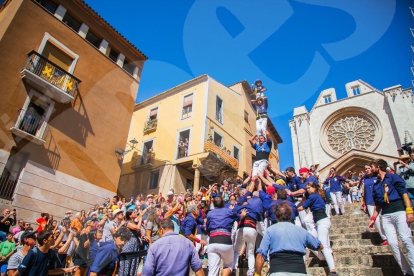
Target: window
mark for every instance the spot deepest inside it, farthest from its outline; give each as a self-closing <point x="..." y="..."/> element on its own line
<point x="236" y="153"/>
<point x="11" y="172"/>
<point x="34" y="115"/>
<point x="246" y="116"/>
<point x="48" y="5"/>
<point x="183" y="143"/>
<point x="147" y="152"/>
<point x="113" y="55"/>
<point x="218" y="139"/>
<point x="187" y="107"/>
<point x="57" y="56"/>
<point x="128" y="66"/>
<point x="93" y="39"/>
<point x="153" y="114"/>
<point x="356" y="90"/>
<point x="327" y="99"/>
<point x="71" y="22"/>
<point x="154" y="176"/>
<point x="219" y="109"/>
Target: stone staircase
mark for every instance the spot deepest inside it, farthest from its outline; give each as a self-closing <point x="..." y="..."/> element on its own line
<point x="356" y="249"/>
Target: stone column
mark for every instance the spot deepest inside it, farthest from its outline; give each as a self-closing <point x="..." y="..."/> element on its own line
<point x="104" y="46"/>
<point x="196" y="179"/>
<point x="60" y="12"/>
<point x="83" y="30"/>
<point x="120" y="60"/>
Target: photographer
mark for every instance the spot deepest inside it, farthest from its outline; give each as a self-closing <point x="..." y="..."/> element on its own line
<point x="6" y="220"/>
<point x="405" y="168"/>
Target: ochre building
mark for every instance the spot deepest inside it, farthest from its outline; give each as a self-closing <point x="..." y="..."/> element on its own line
<point x="68" y="86"/>
<point x="189" y="136"/>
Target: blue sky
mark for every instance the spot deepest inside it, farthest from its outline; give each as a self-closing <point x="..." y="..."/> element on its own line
<point x="297" y="48"/>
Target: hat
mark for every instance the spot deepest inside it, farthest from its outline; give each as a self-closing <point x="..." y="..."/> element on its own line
<point x="256" y="81"/>
<point x="150" y="195"/>
<point x="303" y="170"/>
<point x="170" y="193"/>
<point x="26" y="235"/>
<point x="280" y="182"/>
<point x="270" y="190"/>
<point x="116" y="212"/>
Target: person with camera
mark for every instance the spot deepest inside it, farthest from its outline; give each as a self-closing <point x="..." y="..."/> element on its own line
<point x="405" y="168"/>
<point x="6" y="220"/>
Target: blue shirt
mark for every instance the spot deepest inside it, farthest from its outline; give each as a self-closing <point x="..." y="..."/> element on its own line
<point x="369" y="182"/>
<point x="294" y="183"/>
<point x="188" y="225"/>
<point x="105" y="259"/>
<point x="263" y="150"/>
<point x="254" y="208"/>
<point x="315" y="202"/>
<point x="36" y="263"/>
<point x="396" y="189"/>
<point x="221" y="218"/>
<point x="269" y="203"/>
<point x="335" y="183"/>
<point x="171" y="255"/>
<point x="286" y="237"/>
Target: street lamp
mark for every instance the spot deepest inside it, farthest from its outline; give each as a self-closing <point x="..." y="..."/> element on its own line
<point x="122" y="152"/>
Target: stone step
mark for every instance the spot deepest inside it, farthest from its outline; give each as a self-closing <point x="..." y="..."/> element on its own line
<point x="350" y="223"/>
<point x="364" y="235"/>
<point x="348" y="230"/>
<point x="349" y="218"/>
<point x="361" y="250"/>
<point x="379" y="260"/>
<point x="357" y="271"/>
<point x="350" y="242"/>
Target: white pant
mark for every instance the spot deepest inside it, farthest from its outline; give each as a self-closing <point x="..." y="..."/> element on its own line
<point x="261" y="227"/>
<point x="310" y="224"/>
<point x="397" y="223"/>
<point x="378" y="225"/>
<point x="337" y="200"/>
<point x="217" y="252"/>
<point x="328" y="209"/>
<point x="259" y="167"/>
<point x="322" y="227"/>
<point x="261" y="126"/>
<point x="203" y="237"/>
<point x="245" y="235"/>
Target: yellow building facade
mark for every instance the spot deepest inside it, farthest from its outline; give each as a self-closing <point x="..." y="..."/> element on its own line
<point x="189" y="136"/>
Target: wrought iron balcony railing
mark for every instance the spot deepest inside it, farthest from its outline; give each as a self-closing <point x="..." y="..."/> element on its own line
<point x="144" y="160"/>
<point x="30" y="125"/>
<point x="39" y="69"/>
<point x="150" y="125"/>
<point x="209" y="146"/>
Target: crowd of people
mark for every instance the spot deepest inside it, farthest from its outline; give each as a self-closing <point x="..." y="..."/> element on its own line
<point x="269" y="217"/>
<point x="171" y="234"/>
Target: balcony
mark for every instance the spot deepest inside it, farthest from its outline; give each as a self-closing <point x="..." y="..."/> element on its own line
<point x="49" y="78"/>
<point x="210" y="147"/>
<point x="30" y="126"/>
<point x="150" y="126"/>
<point x="143" y="161"/>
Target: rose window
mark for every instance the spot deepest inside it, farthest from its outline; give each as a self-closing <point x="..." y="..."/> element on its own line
<point x="351" y="132"/>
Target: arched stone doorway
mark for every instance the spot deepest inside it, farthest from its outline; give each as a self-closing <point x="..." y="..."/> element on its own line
<point x="354" y="160"/>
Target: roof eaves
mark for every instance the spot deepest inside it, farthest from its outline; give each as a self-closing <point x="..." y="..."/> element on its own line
<point x="103" y="21"/>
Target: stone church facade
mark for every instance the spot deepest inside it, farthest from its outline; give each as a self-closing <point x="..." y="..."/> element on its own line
<point x="348" y="133"/>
